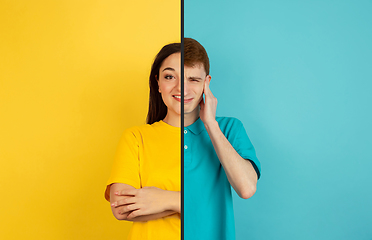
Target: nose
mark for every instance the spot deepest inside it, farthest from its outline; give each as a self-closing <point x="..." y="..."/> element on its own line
<point x="185" y="87"/>
<point x="178" y="86"/>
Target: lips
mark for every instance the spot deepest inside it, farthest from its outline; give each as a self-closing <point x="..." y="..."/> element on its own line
<point x="178" y="98"/>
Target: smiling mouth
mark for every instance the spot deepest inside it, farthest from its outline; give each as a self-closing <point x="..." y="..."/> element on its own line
<point x="178" y="98"/>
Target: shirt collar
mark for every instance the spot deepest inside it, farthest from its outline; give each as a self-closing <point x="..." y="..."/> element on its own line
<point x="197" y="127"/>
<point x="168" y="127"/>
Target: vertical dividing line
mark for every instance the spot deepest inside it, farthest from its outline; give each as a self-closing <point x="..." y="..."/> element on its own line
<point x="182" y="120"/>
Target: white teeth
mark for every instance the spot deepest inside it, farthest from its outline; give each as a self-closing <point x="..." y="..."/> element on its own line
<point x="177" y="96"/>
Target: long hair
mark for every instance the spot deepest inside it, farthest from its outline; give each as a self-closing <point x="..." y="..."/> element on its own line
<point x="157" y="108"/>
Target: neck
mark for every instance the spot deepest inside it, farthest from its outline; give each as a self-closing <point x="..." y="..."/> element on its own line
<point x="190" y="118"/>
<point x="172" y="119"/>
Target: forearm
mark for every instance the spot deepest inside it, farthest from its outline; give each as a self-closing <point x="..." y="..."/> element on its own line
<point x="144" y="204"/>
<point x="174" y="201"/>
<point x="143" y="218"/>
<point x="155" y="216"/>
<point x="239" y="171"/>
<point x="172" y="205"/>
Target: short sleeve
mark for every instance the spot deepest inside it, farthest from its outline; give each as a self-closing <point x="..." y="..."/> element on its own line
<point x="242" y="145"/>
<point x="126" y="162"/>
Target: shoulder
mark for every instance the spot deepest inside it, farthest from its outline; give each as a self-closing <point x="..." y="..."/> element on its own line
<point x="149" y="130"/>
<point x="135" y="135"/>
<point x="140" y="129"/>
<point x="228" y="124"/>
<point x="135" y="132"/>
<point x="228" y="120"/>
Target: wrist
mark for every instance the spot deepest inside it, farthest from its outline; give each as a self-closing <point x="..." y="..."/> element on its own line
<point x="174" y="199"/>
<point x="213" y="124"/>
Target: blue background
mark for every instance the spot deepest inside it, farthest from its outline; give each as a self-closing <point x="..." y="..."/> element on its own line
<point x="298" y="75"/>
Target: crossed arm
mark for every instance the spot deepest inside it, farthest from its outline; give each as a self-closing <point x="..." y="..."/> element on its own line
<point x="144" y="204"/>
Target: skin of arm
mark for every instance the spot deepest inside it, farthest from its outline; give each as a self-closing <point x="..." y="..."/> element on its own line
<point x="144" y="204"/>
<point x="239" y="171"/>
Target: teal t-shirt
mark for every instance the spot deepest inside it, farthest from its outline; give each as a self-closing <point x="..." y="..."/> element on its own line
<point x="208" y="207"/>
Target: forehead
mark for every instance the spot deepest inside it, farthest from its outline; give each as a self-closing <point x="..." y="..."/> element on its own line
<point x="196" y="71"/>
<point x="173" y="61"/>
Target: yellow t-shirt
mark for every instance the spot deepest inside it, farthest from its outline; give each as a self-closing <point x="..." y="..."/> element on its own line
<point x="150" y="155"/>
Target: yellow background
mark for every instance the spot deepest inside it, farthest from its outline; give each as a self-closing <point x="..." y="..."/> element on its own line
<point x="73" y="76"/>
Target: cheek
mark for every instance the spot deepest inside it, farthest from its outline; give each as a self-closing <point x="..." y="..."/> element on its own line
<point x="199" y="95"/>
<point x="168" y="89"/>
<point x="163" y="87"/>
<point x="201" y="90"/>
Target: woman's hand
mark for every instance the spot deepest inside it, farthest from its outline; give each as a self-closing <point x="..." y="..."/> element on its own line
<point x="146" y="201"/>
<point x="208" y="105"/>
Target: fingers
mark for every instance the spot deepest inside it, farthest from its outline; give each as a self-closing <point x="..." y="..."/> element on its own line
<point x="135" y="213"/>
<point x="135" y="202"/>
<point x="206" y="86"/>
<point x="126" y="205"/>
<point x="127" y="208"/>
<point x="125" y="201"/>
<point x="126" y="192"/>
<point x="201" y="103"/>
<point x="207" y="90"/>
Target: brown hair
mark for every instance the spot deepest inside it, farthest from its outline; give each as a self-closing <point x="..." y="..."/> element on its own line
<point x="157" y="108"/>
<point x="194" y="54"/>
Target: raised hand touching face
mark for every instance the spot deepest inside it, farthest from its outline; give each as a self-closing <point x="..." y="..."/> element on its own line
<point x="208" y="105"/>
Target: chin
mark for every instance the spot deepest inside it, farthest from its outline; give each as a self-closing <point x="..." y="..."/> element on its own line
<point x="176" y="111"/>
<point x="191" y="110"/>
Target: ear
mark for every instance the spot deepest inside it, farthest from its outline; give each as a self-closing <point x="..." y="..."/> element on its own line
<point x="208" y="78"/>
<point x="156" y="77"/>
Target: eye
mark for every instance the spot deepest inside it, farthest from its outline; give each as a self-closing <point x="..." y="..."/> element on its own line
<point x="194" y="80"/>
<point x="168" y="76"/>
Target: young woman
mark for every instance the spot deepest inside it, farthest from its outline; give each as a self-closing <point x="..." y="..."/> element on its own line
<point x="145" y="183"/>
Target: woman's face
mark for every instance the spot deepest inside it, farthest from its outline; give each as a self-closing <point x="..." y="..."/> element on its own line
<point x="169" y="81"/>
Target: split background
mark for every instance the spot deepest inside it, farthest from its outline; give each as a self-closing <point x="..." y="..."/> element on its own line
<point x="74" y="75"/>
<point x="298" y="75"/>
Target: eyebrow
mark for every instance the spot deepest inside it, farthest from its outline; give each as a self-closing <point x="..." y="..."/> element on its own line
<point x="168" y="68"/>
<point x="196" y="78"/>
